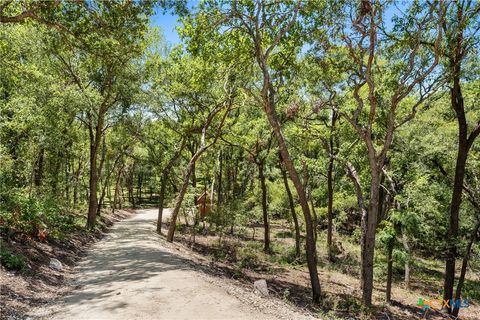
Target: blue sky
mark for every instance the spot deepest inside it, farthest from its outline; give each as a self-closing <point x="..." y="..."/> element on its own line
<point x="168" y="21"/>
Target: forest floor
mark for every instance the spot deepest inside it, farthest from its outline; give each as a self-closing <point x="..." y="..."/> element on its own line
<point x="240" y="257"/>
<point x="134" y="274"/>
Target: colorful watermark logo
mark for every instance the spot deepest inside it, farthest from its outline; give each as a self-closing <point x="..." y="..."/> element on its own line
<point x="438" y="304"/>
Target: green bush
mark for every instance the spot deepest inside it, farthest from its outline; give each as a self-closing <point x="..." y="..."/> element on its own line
<point x="21" y="212"/>
<point x="12" y="261"/>
<point x="471" y="289"/>
<point x="247" y="258"/>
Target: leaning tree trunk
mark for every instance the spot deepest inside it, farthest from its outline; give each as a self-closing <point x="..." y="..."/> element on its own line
<point x="191" y="164"/>
<point x="311" y="250"/>
<point x="163" y="185"/>
<point x="266" y="226"/>
<point x="186" y="179"/>
<point x="178" y="202"/>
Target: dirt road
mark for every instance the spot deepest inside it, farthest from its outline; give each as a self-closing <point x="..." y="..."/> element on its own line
<point x="131" y="275"/>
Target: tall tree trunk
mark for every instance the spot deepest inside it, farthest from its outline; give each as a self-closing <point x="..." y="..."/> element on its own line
<point x="161" y="197"/>
<point x="368" y="238"/>
<point x="95" y="134"/>
<point x="461" y="280"/>
<point x="292" y="209"/>
<point x="93" y="183"/>
<point x="330" y="208"/>
<point x="330" y="190"/>
<point x="462" y="153"/>
<point x="181" y="195"/>
<point x="266" y="226"/>
<point x="311" y="250"/>
<point x="315" y="219"/>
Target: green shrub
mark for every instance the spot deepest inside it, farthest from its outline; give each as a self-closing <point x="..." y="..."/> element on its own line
<point x="471" y="289"/>
<point x="12" y="261"/>
<point x="248" y="258"/>
<point x="21" y="212"/>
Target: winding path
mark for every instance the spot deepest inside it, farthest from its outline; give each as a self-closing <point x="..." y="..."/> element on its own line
<point x="130" y="275"/>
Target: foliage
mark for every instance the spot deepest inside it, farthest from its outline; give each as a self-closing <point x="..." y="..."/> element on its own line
<point x="12" y="261"/>
<point x="97" y="111"/>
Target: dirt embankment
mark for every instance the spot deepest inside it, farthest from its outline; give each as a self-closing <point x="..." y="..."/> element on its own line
<point x="40" y="283"/>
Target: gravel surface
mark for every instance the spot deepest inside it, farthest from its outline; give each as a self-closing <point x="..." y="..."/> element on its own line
<point x="134" y="274"/>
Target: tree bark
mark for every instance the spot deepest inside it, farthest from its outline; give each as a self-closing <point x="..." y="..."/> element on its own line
<point x="330" y="208"/>
<point x="315" y="219"/>
<point x="462" y="153"/>
<point x="266" y="226"/>
<point x="268" y="103"/>
<point x="368" y="239"/>
<point x="181" y="194"/>
<point x="96" y="135"/>
<point x="456" y="54"/>
<point x="311" y="250"/>
<point x="461" y="280"/>
<point x="330" y="187"/>
<point x="163" y="185"/>
<point x="92" y="202"/>
<point x="161" y="197"/>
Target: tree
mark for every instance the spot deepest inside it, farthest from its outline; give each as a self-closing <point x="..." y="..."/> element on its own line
<point x="205" y="100"/>
<point x="105" y="74"/>
<point x="460" y="29"/>
<point x="378" y="107"/>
